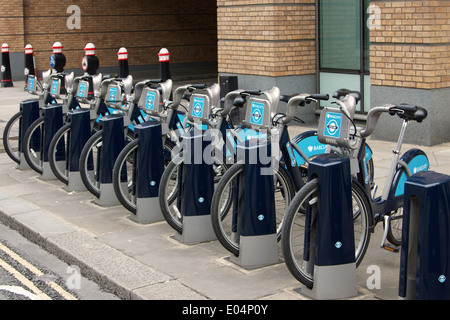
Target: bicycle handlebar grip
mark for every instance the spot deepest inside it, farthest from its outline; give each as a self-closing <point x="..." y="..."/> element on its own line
<point x="198" y="86"/>
<point x="253" y="92"/>
<point x="406" y="107"/>
<point x="320" y="96"/>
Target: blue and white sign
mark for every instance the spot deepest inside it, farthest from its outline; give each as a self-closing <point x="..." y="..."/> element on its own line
<point x="333" y="125"/>
<point x="150" y="100"/>
<point x="54" y="89"/>
<point x="31" y="83"/>
<point x="112" y="94"/>
<point x="257" y="113"/>
<point x="81" y="89"/>
<point x="198" y="105"/>
<point x="52" y="61"/>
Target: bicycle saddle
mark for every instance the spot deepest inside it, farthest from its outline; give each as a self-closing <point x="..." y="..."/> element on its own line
<point x="343" y="92"/>
<point x="409" y="112"/>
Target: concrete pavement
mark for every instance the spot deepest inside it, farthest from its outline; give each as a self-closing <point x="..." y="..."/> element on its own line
<point x="138" y="261"/>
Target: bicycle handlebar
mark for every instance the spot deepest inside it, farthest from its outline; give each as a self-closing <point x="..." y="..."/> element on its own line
<point x="298" y="100"/>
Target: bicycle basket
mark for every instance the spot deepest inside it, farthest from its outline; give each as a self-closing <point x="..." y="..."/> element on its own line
<point x="150" y="101"/>
<point x="257" y="115"/>
<point x="199" y="108"/>
<point x="334" y="128"/>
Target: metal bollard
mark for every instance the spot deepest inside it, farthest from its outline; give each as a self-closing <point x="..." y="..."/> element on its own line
<point x="6" y="67"/>
<point x="197" y="188"/>
<point x="330" y="242"/>
<point x="122" y="56"/>
<point x="149" y="169"/>
<point x="30" y="68"/>
<point x="30" y="113"/>
<point x="113" y="141"/>
<point x="425" y="253"/>
<point x="53" y="121"/>
<point x="258" y="244"/>
<point x="80" y="132"/>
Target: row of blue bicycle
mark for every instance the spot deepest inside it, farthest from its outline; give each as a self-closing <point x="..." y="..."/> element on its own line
<point x="43" y="139"/>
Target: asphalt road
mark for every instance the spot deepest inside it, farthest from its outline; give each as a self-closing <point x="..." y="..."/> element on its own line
<point x="27" y="272"/>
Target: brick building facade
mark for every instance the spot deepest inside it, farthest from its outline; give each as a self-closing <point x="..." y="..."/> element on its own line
<point x="392" y="51"/>
<point x="187" y="28"/>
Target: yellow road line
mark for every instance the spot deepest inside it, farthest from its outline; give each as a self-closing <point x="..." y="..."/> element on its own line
<point x="23" y="280"/>
<point x="37" y="272"/>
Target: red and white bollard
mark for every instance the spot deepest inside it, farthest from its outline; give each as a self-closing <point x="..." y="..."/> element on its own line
<point x="122" y="56"/>
<point x="164" y="58"/>
<point x="6" y="67"/>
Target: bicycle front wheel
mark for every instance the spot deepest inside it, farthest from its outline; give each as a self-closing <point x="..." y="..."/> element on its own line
<point x="170" y="189"/>
<point x="125" y="188"/>
<point x="298" y="235"/>
<point x="33" y="145"/>
<point x="11" y="136"/>
<point x="89" y="162"/>
<point x="226" y="214"/>
<point x="59" y="168"/>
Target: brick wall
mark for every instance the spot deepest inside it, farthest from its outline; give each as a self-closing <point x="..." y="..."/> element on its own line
<point x="412" y="47"/>
<point x="12" y="24"/>
<point x="186" y="28"/>
<point x="266" y="37"/>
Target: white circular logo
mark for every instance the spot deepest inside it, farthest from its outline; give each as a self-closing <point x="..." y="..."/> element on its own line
<point x="84" y="63"/>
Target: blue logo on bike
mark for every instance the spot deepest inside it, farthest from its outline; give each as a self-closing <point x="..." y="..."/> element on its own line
<point x="198" y="105"/>
<point x="31" y="83"/>
<point x="150" y="100"/>
<point x="112" y="94"/>
<point x="81" y="89"/>
<point x="54" y="86"/>
<point x="257" y="113"/>
<point x="333" y="125"/>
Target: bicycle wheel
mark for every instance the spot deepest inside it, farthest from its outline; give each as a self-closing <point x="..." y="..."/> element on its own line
<point x="33" y="145"/>
<point x="225" y="213"/>
<point x="89" y="159"/>
<point x="11" y="137"/>
<point x="125" y="191"/>
<point x="298" y="256"/>
<point x="59" y="168"/>
<point x="170" y="189"/>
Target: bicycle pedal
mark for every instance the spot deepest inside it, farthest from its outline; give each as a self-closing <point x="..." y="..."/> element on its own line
<point x="391" y="248"/>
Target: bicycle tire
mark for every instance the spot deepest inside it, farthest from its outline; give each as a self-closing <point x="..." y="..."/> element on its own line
<point x="84" y="157"/>
<point x="34" y="161"/>
<point x="125" y="155"/>
<point x="63" y="177"/>
<point x="171" y="213"/>
<point x="294" y="228"/>
<point x="7" y="137"/>
<point x="228" y="235"/>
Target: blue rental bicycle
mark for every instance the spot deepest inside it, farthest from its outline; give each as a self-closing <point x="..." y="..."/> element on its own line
<point x="368" y="209"/>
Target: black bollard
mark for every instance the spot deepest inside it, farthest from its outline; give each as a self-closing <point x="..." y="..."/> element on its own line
<point x="122" y="56"/>
<point x="6" y="67"/>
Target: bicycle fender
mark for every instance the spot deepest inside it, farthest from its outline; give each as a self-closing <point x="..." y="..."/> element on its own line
<point x="416" y="160"/>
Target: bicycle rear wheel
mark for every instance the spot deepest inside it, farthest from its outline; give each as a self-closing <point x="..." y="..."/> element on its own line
<point x="297" y="253"/>
<point x="225" y="211"/>
<point x="11" y="137"/>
